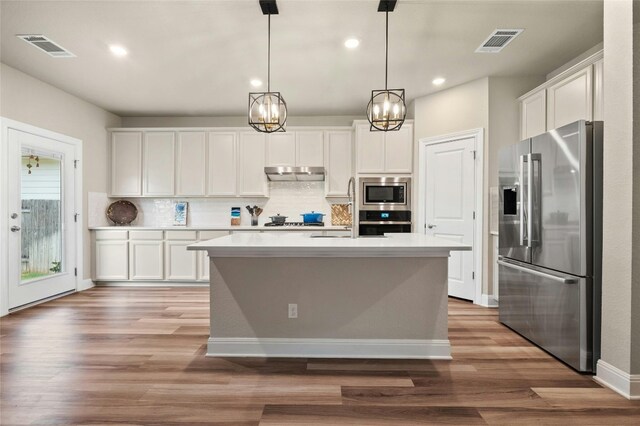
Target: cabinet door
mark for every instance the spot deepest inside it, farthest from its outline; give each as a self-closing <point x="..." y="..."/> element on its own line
<point x="310" y="148"/>
<point x="369" y="150"/>
<point x="253" y="181"/>
<point x="338" y="156"/>
<point x="223" y="164"/>
<point x="598" y="90"/>
<point x="203" y="256"/>
<point x="179" y="263"/>
<point x="112" y="260"/>
<point x="533" y="115"/>
<point x="398" y="150"/>
<point x="191" y="164"/>
<point x="159" y="154"/>
<point x="570" y="99"/>
<point x="146" y="260"/>
<point x="126" y="164"/>
<point x="281" y="149"/>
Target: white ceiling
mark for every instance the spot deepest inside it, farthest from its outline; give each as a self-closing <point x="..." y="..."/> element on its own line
<point x="197" y="57"/>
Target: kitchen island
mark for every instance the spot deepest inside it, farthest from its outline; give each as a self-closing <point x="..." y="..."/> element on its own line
<point x="380" y="297"/>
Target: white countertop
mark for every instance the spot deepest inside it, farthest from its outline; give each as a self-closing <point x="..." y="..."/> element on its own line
<point x="222" y="228"/>
<point x="304" y="245"/>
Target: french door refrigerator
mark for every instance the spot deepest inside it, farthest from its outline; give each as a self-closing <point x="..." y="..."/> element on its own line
<point x="550" y="249"/>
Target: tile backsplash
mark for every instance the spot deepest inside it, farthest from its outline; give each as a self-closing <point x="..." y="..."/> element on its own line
<point x="287" y="198"/>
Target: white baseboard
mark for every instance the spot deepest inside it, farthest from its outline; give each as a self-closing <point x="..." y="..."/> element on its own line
<point x="488" y="301"/>
<point x="150" y="284"/>
<point x="328" y="348"/>
<point x="85" y="284"/>
<point x="627" y="385"/>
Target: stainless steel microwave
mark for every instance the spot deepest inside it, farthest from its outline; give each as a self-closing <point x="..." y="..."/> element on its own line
<point x="385" y="193"/>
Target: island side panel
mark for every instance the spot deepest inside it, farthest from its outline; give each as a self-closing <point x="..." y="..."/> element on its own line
<point x="337" y="298"/>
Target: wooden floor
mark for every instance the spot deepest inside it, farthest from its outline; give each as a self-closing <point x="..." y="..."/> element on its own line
<point x="136" y="356"/>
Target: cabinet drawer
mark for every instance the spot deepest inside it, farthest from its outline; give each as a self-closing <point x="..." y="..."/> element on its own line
<point x="210" y="235"/>
<point x="145" y="235"/>
<point x="111" y="235"/>
<point x="180" y="235"/>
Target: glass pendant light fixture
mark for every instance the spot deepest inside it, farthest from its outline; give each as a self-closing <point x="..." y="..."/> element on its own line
<point x="387" y="109"/>
<point x="268" y="110"/>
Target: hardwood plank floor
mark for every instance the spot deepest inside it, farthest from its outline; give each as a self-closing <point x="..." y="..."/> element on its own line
<point x="135" y="356"/>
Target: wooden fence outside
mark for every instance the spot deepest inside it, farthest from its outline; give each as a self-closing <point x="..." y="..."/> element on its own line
<point x="41" y="235"/>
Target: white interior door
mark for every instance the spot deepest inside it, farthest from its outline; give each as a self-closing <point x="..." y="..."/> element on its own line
<point x="41" y="188"/>
<point x="449" y="207"/>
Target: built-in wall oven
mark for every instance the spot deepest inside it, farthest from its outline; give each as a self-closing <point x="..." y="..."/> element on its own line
<point x="385" y="205"/>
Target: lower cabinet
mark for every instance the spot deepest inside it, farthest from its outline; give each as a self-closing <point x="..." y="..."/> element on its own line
<point x="151" y="255"/>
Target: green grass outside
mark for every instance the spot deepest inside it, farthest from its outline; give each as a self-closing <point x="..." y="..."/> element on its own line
<point x="25" y="276"/>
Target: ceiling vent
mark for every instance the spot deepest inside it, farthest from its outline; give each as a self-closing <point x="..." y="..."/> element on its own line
<point x="497" y="41"/>
<point x="47" y="45"/>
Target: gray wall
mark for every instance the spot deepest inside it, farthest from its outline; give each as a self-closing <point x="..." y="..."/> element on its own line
<point x="26" y="99"/>
<point x="621" y="210"/>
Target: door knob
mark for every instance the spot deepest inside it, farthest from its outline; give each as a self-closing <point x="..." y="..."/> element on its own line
<point x="15" y="228"/>
<point x="14" y="215"/>
<point x="431" y="226"/>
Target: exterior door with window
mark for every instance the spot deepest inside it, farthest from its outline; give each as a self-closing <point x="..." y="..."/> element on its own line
<point x="41" y="188"/>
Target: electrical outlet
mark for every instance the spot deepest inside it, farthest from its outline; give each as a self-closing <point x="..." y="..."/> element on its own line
<point x="293" y="310"/>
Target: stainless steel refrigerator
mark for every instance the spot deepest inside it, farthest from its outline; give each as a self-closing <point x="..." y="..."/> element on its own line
<point x="550" y="241"/>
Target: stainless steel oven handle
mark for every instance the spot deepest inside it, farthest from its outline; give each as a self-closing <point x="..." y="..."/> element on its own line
<point x="538" y="273"/>
<point x="385" y="222"/>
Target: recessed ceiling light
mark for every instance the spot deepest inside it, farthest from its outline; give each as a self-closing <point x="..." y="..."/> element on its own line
<point x="118" y="50"/>
<point x="438" y="81"/>
<point x="351" y="43"/>
<point x="256" y="83"/>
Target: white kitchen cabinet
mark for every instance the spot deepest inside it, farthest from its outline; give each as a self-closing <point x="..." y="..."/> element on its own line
<point x="281" y="149"/>
<point x="146" y="260"/>
<point x="398" y="150"/>
<point x="111" y="256"/>
<point x="223" y="164"/>
<point x="251" y="177"/>
<point x="370" y="150"/>
<point x="533" y="115"/>
<point x="203" y="256"/>
<point x="126" y="164"/>
<point x="180" y="263"/>
<point x="598" y="90"/>
<point x="338" y="162"/>
<point x="310" y="148"/>
<point x="158" y="165"/>
<point x="191" y="164"/>
<point x="570" y="99"/>
<point x="384" y="152"/>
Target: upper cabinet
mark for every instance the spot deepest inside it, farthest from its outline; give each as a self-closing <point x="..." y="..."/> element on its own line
<point x="223" y="164"/>
<point x="252" y="179"/>
<point x="384" y="152"/>
<point x="158" y="168"/>
<point x="576" y="94"/>
<point x="126" y="164"/>
<point x="338" y="162"/>
<point x="191" y="164"/>
<point x="533" y="115"/>
<point x="298" y="148"/>
<point x="571" y="99"/>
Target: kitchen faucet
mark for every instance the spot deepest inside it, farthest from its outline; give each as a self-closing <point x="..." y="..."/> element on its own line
<point x="351" y="193"/>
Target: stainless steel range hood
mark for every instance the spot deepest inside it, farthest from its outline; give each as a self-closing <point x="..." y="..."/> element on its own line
<point x="302" y="174"/>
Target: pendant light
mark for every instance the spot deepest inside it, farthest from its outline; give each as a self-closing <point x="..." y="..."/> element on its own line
<point x="386" y="110"/>
<point x="268" y="110"/>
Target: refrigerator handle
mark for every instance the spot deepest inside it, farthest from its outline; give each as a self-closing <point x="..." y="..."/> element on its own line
<point x="535" y="216"/>
<point x="563" y="280"/>
<point x="524" y="240"/>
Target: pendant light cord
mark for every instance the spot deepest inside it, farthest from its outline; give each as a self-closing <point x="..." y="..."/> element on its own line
<point x="269" y="56"/>
<point x="386" y="50"/>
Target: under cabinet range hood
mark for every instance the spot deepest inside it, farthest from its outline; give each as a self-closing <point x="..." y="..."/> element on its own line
<point x="301" y="174"/>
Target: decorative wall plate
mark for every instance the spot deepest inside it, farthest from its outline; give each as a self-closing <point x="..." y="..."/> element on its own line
<point x="122" y="212"/>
